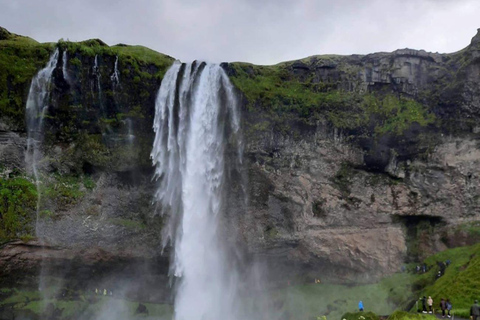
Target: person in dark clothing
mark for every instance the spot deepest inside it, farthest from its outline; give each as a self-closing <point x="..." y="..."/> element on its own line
<point x="424" y="304"/>
<point x="443" y="306"/>
<point x="475" y="311"/>
<point x="449" y="307"/>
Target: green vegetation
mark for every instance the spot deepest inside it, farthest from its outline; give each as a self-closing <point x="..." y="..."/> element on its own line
<point x="343" y="177"/>
<point x="129" y="57"/>
<point x="128" y="223"/>
<point x="18" y="197"/>
<point x="20" y="58"/>
<point x="316" y="300"/>
<point x="283" y="96"/>
<point x="77" y="304"/>
<point x="461" y="281"/>
<point x="403" y="315"/>
<point x="63" y="189"/>
<point x="395" y="115"/>
<point x="460" y="284"/>
<point x="360" y="316"/>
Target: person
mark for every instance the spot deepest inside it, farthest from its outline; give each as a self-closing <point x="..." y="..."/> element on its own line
<point x="449" y="307"/>
<point x="430" y="304"/>
<point x="443" y="306"/>
<point x="424" y="304"/>
<point x="360" y="306"/>
<point x="475" y="311"/>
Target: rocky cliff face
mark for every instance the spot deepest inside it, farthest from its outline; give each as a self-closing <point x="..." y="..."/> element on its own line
<point x="355" y="164"/>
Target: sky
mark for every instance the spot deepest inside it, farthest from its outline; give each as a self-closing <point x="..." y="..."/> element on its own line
<point x="256" y="31"/>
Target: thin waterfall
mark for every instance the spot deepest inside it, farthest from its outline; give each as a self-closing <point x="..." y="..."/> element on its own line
<point x="130" y="135"/>
<point x="37" y="104"/>
<point x="196" y="118"/>
<point x="64" y="67"/>
<point x="115" y="78"/>
<point x="97" y="74"/>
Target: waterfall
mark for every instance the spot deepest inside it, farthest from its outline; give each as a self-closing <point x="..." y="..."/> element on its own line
<point x="130" y="135"/>
<point x="97" y="74"/>
<point x="115" y="75"/>
<point x="64" y="67"/>
<point x="195" y="119"/>
<point x="37" y="105"/>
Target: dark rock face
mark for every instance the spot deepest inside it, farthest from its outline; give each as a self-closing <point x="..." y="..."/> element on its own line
<point x="335" y="203"/>
<point x="324" y="201"/>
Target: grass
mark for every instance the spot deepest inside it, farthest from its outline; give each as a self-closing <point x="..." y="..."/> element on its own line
<point x="316" y="300"/>
<point x="129" y="224"/>
<point x="20" y="58"/>
<point x="18" y="197"/>
<point x="460" y="284"/>
<point x="461" y="281"/>
<point x="282" y="97"/>
<point x="86" y="305"/>
<point x="403" y="315"/>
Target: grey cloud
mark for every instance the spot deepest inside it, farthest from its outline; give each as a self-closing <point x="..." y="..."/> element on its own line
<point x="267" y="31"/>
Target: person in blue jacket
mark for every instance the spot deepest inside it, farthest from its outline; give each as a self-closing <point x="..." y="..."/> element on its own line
<point x="360" y="306"/>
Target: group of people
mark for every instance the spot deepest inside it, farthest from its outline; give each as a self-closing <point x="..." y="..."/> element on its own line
<point x="445" y="306"/>
<point x="442" y="265"/>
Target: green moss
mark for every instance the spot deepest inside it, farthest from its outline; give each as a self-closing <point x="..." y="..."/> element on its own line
<point x="394" y="114"/>
<point x="128" y="223"/>
<point x="75" y="62"/>
<point x="343" y="177"/>
<point x="20" y="59"/>
<point x="282" y="95"/>
<point x="63" y="189"/>
<point x="89" y="183"/>
<point x="18" y="197"/>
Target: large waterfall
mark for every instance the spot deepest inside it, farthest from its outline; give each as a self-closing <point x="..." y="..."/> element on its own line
<point x="195" y="118"/>
<point x="37" y="104"/>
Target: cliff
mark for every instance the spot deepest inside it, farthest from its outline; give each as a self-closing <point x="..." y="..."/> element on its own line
<point x="355" y="164"/>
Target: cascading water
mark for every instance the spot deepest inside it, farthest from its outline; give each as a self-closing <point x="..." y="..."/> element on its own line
<point x="115" y="75"/>
<point x="64" y="67"/>
<point x="195" y="118"/>
<point x="37" y="104"/>
<point x="96" y="73"/>
<point x="130" y="135"/>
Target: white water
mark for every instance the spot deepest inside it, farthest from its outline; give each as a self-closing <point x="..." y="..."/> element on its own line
<point x="96" y="72"/>
<point x="64" y="67"/>
<point x="37" y="105"/>
<point x="130" y="135"/>
<point x="191" y="116"/>
<point x="115" y="75"/>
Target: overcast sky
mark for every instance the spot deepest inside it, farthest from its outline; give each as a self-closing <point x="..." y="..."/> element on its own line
<point x="257" y="31"/>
